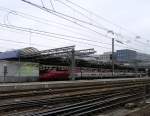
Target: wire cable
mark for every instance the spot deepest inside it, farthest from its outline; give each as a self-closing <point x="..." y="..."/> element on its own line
<point x="48" y="34"/>
<point x="64" y="16"/>
<point x="101" y="17"/>
<point x="52" y="4"/>
<point x="36" y="19"/>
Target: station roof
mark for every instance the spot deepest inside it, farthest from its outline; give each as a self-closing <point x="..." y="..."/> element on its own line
<point x="15" y="54"/>
<point x="57" y="56"/>
<point x="50" y="56"/>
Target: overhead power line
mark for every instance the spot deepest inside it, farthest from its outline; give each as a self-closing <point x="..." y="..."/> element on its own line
<point x="34" y="18"/>
<point x="38" y="19"/>
<point x="98" y="16"/>
<point x="42" y="3"/>
<point x="20" y="42"/>
<point x="68" y="18"/>
<point x="90" y="18"/>
<point x="48" y="34"/>
<point x="76" y="38"/>
<point x="60" y="1"/>
<point x="52" y="4"/>
<point x="45" y="32"/>
<point x="104" y="19"/>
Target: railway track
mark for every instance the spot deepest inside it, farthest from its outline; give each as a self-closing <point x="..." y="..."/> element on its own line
<point x="81" y="100"/>
<point x="86" y="107"/>
<point x="56" y="90"/>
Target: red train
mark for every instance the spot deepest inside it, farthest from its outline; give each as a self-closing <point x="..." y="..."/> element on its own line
<point x="51" y="75"/>
<point x="62" y="73"/>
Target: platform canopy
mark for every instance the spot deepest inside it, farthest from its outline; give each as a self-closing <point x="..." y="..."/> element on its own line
<point x="58" y="56"/>
<point x="50" y="56"/>
<point x="16" y="54"/>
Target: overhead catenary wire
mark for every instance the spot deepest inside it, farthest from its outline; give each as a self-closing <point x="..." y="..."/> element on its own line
<point x="39" y="19"/>
<point x="97" y="15"/>
<point x="48" y="34"/>
<point x="35" y="18"/>
<point x="61" y="16"/>
<point x="34" y="31"/>
<point x="131" y="48"/>
<point x="83" y="14"/>
<point x="73" y="9"/>
<point x="90" y="18"/>
<point x="105" y="36"/>
<point x="104" y="19"/>
<point x="64" y="16"/>
<point x="37" y="45"/>
<point x="39" y="32"/>
<point x="42" y="3"/>
<point x="52" y="4"/>
<point x="20" y="42"/>
<point x="45" y="32"/>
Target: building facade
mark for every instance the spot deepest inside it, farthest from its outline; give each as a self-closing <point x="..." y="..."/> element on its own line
<point x="132" y="57"/>
<point x="107" y="57"/>
<point x="126" y="56"/>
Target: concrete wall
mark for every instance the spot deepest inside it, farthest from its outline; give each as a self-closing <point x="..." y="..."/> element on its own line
<point x="13" y="71"/>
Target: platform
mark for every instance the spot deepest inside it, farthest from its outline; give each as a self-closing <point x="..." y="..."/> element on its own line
<point x="8" y="87"/>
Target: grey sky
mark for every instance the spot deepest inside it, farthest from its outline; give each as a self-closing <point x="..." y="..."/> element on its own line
<point x="130" y="14"/>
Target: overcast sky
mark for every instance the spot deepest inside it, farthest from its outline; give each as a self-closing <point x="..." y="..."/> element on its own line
<point x="132" y="15"/>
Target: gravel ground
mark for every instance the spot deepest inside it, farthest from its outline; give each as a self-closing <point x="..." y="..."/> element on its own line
<point x="117" y="112"/>
<point x="139" y="111"/>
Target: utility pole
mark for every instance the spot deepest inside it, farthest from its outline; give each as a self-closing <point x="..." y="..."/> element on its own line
<point x="72" y="67"/>
<point x="112" y="56"/>
<point x="113" y="68"/>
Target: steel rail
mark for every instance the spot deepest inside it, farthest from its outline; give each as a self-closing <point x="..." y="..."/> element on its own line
<point x="68" y="96"/>
<point x="97" y="98"/>
<point x="46" y="101"/>
<point x="52" y="101"/>
<point x="84" y="106"/>
<point x="58" y="90"/>
<point x="122" y="93"/>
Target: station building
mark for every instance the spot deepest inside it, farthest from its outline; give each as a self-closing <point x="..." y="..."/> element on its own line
<point x="106" y="57"/>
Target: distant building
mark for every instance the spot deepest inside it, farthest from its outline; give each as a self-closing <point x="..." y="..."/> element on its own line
<point x="107" y="57"/>
<point x="142" y="57"/>
<point x="131" y="56"/>
<point x="126" y="56"/>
